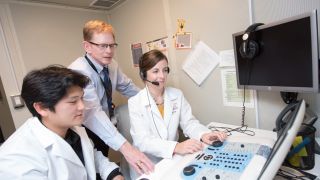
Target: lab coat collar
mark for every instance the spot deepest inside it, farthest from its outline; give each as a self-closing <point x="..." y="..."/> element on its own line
<point x="50" y="139"/>
<point x="169" y="108"/>
<point x="168" y="95"/>
<point x="170" y="104"/>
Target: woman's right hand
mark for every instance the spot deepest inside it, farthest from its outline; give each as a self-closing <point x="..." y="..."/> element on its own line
<point x="188" y="147"/>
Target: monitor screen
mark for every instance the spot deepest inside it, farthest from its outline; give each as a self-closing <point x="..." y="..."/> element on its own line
<point x="287" y="59"/>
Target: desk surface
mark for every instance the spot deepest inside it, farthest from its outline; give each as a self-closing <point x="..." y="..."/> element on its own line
<point x="170" y="168"/>
<point x="164" y="169"/>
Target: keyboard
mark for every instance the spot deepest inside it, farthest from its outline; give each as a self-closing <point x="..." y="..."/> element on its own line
<point x="227" y="161"/>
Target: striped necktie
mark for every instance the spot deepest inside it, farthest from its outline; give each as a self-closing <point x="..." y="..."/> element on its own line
<point x="108" y="88"/>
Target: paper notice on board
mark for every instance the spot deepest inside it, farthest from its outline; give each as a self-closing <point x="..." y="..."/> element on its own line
<point x="227" y="58"/>
<point x="200" y="62"/>
<point x="232" y="96"/>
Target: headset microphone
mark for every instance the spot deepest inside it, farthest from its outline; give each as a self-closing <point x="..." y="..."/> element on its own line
<point x="153" y="82"/>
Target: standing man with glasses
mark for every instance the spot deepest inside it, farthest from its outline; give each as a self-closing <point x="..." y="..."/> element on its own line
<point x="106" y="76"/>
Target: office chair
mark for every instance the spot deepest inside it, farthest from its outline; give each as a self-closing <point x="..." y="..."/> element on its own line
<point x="123" y="126"/>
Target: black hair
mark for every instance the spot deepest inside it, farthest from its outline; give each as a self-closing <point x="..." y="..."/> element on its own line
<point x="49" y="85"/>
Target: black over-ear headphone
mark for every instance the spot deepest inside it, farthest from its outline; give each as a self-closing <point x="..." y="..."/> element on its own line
<point x="249" y="48"/>
<point x="143" y="75"/>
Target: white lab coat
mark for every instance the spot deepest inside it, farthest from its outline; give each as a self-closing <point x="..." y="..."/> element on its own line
<point x="35" y="152"/>
<point x="157" y="136"/>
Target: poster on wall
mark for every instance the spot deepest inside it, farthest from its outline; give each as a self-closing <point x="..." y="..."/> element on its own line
<point x="183" y="41"/>
<point x="160" y="44"/>
<point x="136" y="51"/>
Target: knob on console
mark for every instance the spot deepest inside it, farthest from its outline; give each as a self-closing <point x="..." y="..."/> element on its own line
<point x="217" y="143"/>
<point x="189" y="170"/>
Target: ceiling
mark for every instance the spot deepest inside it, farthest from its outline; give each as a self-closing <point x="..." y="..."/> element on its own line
<point x="88" y="4"/>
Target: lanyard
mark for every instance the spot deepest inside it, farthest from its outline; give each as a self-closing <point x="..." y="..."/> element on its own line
<point x="95" y="69"/>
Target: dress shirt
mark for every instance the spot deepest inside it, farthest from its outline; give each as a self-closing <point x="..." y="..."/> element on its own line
<point x="96" y="111"/>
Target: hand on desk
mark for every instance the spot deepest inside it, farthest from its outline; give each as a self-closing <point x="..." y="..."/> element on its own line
<point x="191" y="145"/>
<point x="210" y="137"/>
<point x="137" y="159"/>
<point x="188" y="147"/>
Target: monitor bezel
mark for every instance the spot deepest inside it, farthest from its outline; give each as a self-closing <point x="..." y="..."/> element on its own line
<point x="315" y="56"/>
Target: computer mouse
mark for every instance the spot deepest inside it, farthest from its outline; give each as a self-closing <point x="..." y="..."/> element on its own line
<point x="217" y="143"/>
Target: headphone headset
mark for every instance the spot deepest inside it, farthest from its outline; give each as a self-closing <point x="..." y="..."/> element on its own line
<point x="249" y="48"/>
<point x="143" y="74"/>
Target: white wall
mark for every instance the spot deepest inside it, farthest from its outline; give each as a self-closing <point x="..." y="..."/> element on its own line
<point x="35" y="36"/>
<point x="136" y="21"/>
<point x="42" y="35"/>
<point x="214" y="22"/>
<point x="209" y="21"/>
<point x="49" y="35"/>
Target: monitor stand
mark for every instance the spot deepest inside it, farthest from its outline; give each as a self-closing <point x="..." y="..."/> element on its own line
<point x="289" y="97"/>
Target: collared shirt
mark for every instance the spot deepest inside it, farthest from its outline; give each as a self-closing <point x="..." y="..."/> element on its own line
<point x="74" y="140"/>
<point x="96" y="112"/>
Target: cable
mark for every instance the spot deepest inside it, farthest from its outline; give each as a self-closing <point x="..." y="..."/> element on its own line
<point x="243" y="129"/>
<point x="291" y="175"/>
<point x="243" y="111"/>
<point x="153" y="117"/>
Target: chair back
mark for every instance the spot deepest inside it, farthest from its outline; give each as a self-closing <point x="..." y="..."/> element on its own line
<point x="123" y="126"/>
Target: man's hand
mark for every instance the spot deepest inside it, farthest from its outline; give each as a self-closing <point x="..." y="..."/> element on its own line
<point x="136" y="159"/>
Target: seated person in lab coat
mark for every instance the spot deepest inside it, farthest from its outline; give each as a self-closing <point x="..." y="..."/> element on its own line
<point x="157" y="111"/>
<point x="52" y="144"/>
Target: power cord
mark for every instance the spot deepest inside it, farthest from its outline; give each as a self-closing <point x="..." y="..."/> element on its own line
<point x="290" y="173"/>
<point x="243" y="111"/>
<point x="147" y="89"/>
<point x="243" y="129"/>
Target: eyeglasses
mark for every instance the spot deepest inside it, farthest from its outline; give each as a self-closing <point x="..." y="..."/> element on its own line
<point x="104" y="46"/>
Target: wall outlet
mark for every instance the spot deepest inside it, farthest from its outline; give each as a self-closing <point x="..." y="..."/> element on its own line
<point x="17" y="101"/>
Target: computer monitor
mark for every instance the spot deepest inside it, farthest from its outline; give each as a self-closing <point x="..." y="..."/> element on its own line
<point x="285" y="139"/>
<point x="288" y="56"/>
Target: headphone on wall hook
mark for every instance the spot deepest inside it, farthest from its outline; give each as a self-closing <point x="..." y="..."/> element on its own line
<point x="249" y="48"/>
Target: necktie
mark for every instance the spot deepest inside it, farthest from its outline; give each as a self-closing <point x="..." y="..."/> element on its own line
<point x="108" y="88"/>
